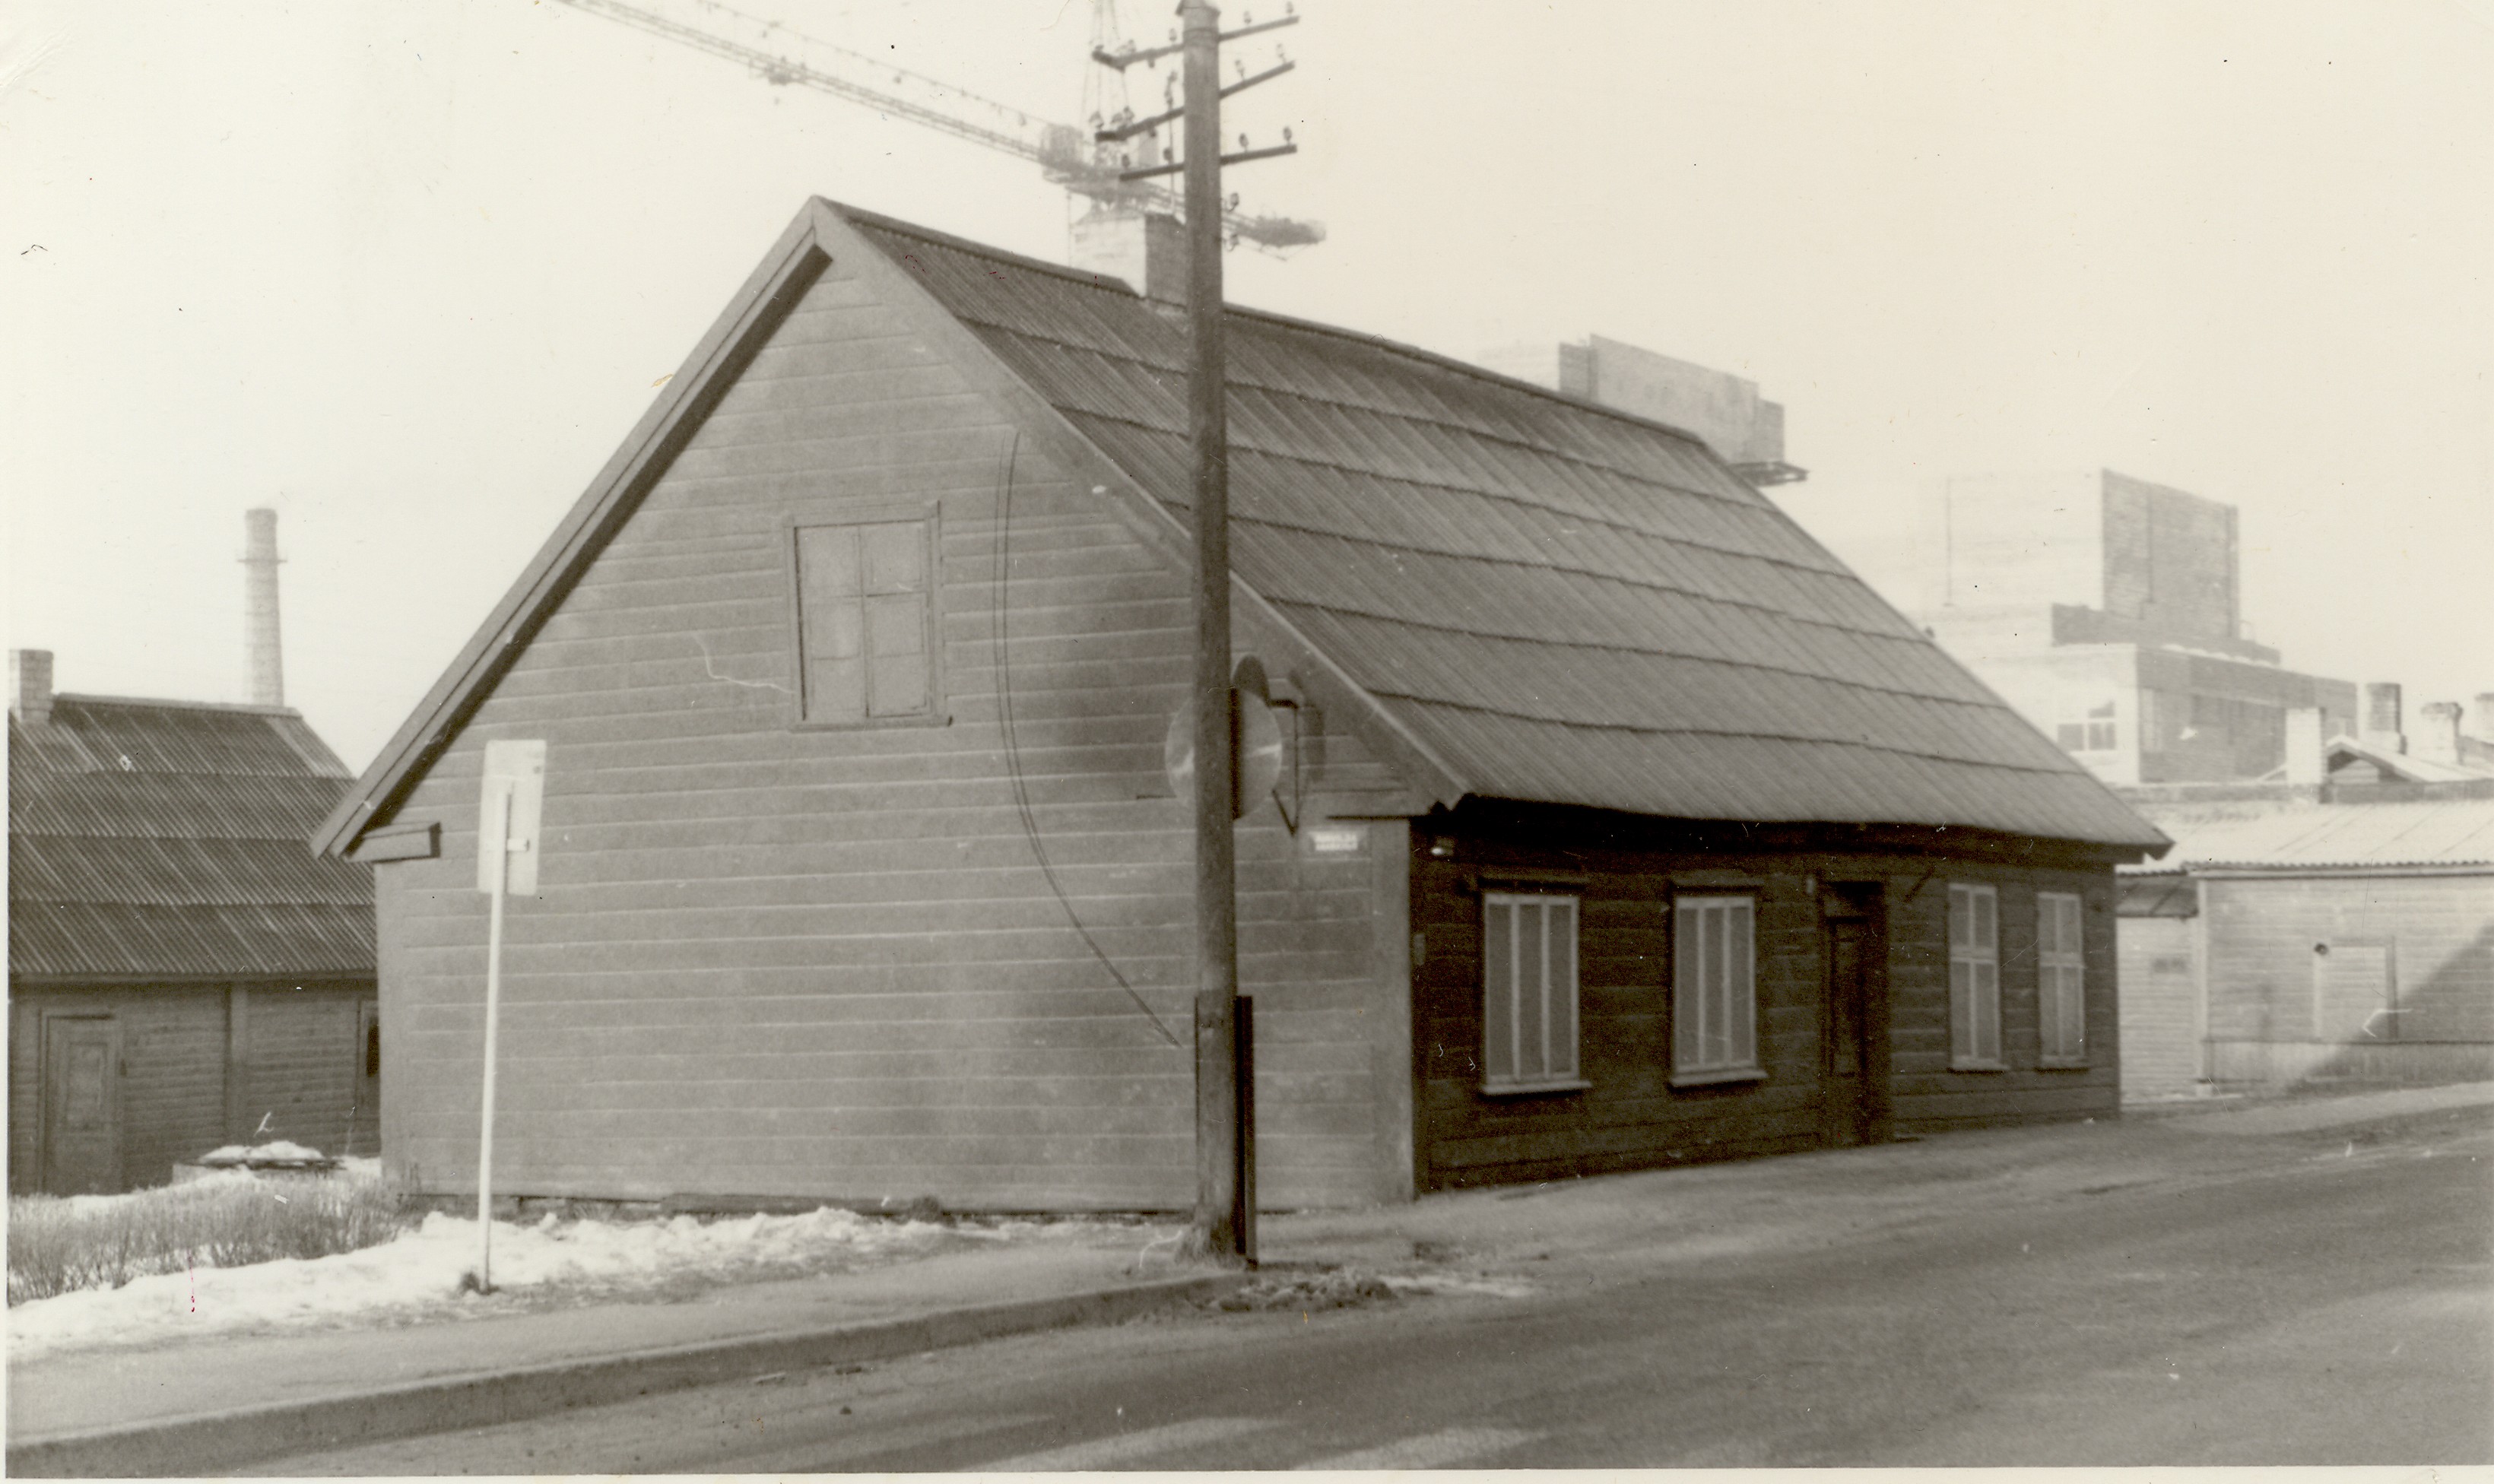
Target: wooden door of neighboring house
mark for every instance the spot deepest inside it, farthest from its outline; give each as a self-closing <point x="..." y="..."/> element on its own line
<point x="363" y="1136"/>
<point x="82" y="1105"/>
<point x="1854" y="1106"/>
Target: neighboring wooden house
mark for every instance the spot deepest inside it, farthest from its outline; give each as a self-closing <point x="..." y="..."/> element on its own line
<point x="2300" y="941"/>
<point x="1618" y="825"/>
<point x="184" y="972"/>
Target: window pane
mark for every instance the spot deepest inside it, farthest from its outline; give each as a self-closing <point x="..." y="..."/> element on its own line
<point x="835" y="689"/>
<point x="827" y="558"/>
<point x="1562" y="989"/>
<point x="1684" y="959"/>
<point x="1962" y="1008"/>
<point x="897" y="630"/>
<point x="1530" y="1044"/>
<point x="1498" y="1000"/>
<point x="896" y="556"/>
<point x="1987" y="1011"/>
<point x="1987" y="920"/>
<point x="1960" y="917"/>
<point x="830" y="625"/>
<point x="1741" y="986"/>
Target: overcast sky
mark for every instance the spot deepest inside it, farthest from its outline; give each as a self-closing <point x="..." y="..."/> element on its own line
<point x="409" y="272"/>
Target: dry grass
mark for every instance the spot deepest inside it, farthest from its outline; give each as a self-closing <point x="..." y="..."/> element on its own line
<point x="58" y="1245"/>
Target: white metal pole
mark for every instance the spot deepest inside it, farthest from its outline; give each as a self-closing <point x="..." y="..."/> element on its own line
<point x="500" y="842"/>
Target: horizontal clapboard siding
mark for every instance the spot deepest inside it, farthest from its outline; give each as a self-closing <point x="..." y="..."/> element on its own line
<point x="809" y="961"/>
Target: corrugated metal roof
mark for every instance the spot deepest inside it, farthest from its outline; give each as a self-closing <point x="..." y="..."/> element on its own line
<point x="156" y="838"/>
<point x="1569" y="604"/>
<point x="2442" y="833"/>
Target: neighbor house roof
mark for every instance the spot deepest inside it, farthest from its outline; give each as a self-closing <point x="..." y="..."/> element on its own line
<point x="2342" y="750"/>
<point x="166" y="839"/>
<point x="1539" y="598"/>
<point x="2440" y="833"/>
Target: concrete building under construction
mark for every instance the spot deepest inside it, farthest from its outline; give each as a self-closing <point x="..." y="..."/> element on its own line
<point x="2108" y="610"/>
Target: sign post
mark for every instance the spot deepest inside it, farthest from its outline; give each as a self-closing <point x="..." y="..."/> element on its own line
<point x="510" y="806"/>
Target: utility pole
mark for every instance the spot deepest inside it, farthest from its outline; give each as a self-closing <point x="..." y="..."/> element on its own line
<point x="1217" y="1181"/>
<point x="1221" y="1179"/>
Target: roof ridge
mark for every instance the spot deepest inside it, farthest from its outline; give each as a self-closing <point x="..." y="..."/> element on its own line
<point x="1423" y="418"/>
<point x="1110" y="283"/>
<point x="170" y="703"/>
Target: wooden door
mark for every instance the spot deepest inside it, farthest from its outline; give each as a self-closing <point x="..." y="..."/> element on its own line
<point x="82" y="1105"/>
<point x="1855" y="1108"/>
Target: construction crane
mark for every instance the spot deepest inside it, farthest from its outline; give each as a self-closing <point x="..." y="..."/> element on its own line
<point x="1067" y="156"/>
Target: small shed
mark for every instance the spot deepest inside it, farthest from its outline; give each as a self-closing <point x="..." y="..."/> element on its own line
<point x="184" y="972"/>
<point x="1618" y="824"/>
<point x="2302" y="940"/>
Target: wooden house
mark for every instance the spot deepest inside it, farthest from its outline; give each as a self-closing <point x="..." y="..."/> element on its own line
<point x="1617" y="822"/>
<point x="184" y="972"/>
<point x="2289" y="941"/>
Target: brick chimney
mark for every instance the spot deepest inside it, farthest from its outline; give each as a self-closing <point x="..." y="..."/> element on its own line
<point x="2382" y="717"/>
<point x="2307" y="763"/>
<point x="1147" y="249"/>
<point x="2437" y="738"/>
<point x="30" y="686"/>
<point x="262" y="644"/>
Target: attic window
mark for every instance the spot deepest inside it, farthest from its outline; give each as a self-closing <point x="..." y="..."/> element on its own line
<point x="866" y="622"/>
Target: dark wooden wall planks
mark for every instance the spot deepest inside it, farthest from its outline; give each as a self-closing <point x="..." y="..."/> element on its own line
<point x="1632" y="1116"/>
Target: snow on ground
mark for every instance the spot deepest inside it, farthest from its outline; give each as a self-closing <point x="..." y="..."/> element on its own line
<point x="272" y="1152"/>
<point x="547" y="1264"/>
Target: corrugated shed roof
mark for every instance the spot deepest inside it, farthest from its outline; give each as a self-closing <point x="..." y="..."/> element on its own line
<point x="1569" y="604"/>
<point x="162" y="838"/>
<point x="2442" y="833"/>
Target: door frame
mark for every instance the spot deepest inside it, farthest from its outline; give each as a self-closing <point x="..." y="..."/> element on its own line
<point x="1864" y="904"/>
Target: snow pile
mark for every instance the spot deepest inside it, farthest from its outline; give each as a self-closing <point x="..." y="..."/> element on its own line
<point x="275" y="1152"/>
<point x="418" y="1276"/>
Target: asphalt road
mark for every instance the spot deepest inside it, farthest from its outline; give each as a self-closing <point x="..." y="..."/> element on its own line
<point x="2320" y="1306"/>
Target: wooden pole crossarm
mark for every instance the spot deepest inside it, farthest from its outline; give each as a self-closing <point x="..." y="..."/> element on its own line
<point x="1121" y="60"/>
<point x="1145" y="125"/>
<point x="1241" y="158"/>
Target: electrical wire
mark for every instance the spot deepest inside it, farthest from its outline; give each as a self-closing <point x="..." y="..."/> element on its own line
<point x="1013" y="738"/>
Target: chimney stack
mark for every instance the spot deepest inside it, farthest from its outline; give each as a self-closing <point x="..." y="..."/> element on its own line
<point x="2382" y="717"/>
<point x="2438" y="732"/>
<point x="261" y="640"/>
<point x="1147" y="249"/>
<point x="30" y="686"/>
<point x="2307" y="763"/>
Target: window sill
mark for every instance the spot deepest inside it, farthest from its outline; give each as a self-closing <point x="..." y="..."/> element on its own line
<point x="1709" y="1077"/>
<point x="1975" y="1066"/>
<point x="1527" y="1089"/>
<point x="2062" y="1064"/>
<point x="873" y="723"/>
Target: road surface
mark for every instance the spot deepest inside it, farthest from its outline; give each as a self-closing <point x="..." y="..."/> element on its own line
<point x="2316" y="1307"/>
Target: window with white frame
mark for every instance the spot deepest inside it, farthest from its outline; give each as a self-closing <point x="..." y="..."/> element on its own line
<point x="1528" y="992"/>
<point x="866" y="620"/>
<point x="1715" y="989"/>
<point x="1974" y="978"/>
<point x="2060" y="980"/>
